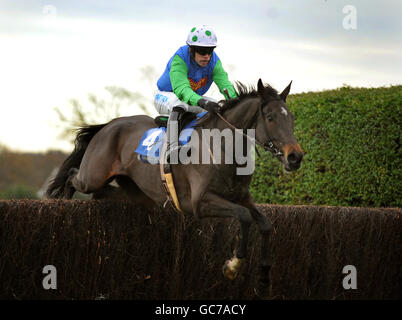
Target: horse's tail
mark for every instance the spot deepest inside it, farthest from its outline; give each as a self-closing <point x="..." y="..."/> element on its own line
<point x="84" y="136"/>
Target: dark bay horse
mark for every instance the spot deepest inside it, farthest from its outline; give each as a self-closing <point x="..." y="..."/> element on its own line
<point x="106" y="152"/>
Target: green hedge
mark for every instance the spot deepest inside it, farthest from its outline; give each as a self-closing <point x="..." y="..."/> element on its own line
<point x="351" y="139"/>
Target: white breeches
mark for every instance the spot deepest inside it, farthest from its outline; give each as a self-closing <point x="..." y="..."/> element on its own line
<point x="164" y="103"/>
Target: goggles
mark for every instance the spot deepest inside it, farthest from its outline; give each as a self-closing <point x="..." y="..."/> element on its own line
<point x="203" y="50"/>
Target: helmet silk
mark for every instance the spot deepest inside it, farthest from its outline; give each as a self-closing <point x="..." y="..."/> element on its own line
<point x="202" y="36"/>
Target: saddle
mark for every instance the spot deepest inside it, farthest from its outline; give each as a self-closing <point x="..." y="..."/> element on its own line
<point x="185" y="118"/>
<point x="161" y="121"/>
<point x="150" y="146"/>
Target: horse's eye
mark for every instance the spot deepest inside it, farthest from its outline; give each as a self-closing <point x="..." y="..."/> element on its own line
<point x="270" y="118"/>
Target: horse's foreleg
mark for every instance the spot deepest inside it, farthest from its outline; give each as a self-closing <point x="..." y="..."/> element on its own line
<point x="212" y="205"/>
<point x="265" y="226"/>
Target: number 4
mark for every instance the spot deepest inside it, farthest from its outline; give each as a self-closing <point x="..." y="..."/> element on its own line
<point x="150" y="140"/>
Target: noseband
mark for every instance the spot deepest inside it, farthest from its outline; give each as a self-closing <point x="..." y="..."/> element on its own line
<point x="268" y="145"/>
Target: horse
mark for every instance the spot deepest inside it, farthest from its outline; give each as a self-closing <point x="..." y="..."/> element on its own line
<point x="105" y="152"/>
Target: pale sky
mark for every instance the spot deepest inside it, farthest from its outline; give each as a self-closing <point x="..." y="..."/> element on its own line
<point x="53" y="51"/>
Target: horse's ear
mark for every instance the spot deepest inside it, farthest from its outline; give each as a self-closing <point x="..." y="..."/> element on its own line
<point x="260" y="88"/>
<point x="285" y="92"/>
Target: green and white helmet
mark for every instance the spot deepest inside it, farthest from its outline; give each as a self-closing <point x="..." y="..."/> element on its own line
<point x="202" y="36"/>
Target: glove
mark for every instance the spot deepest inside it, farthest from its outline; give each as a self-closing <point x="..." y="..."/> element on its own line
<point x="208" y="105"/>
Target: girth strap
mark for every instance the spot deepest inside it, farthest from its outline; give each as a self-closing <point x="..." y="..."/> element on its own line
<point x="168" y="183"/>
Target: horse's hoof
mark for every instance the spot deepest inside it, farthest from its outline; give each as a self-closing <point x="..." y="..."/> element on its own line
<point x="227" y="272"/>
<point x="231" y="268"/>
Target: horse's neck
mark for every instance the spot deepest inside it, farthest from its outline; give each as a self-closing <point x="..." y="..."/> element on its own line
<point x="239" y="116"/>
<point x="242" y="115"/>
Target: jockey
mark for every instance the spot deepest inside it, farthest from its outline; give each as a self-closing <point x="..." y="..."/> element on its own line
<point x="187" y="77"/>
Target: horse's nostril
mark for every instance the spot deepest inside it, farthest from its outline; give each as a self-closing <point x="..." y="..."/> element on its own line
<point x="295" y="157"/>
<point x="292" y="158"/>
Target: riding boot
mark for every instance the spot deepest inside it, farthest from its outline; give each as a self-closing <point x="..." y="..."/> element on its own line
<point x="172" y="136"/>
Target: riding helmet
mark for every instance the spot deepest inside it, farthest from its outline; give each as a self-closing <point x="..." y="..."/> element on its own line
<point x="202" y="36"/>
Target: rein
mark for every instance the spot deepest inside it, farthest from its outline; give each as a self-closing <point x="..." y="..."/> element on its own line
<point x="269" y="145"/>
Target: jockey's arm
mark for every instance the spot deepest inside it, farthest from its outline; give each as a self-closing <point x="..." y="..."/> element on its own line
<point x="221" y="79"/>
<point x="180" y="83"/>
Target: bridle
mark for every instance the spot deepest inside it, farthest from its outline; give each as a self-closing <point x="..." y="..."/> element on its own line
<point x="268" y="145"/>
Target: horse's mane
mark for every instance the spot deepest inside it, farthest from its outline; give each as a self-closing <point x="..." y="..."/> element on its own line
<point x="244" y="92"/>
